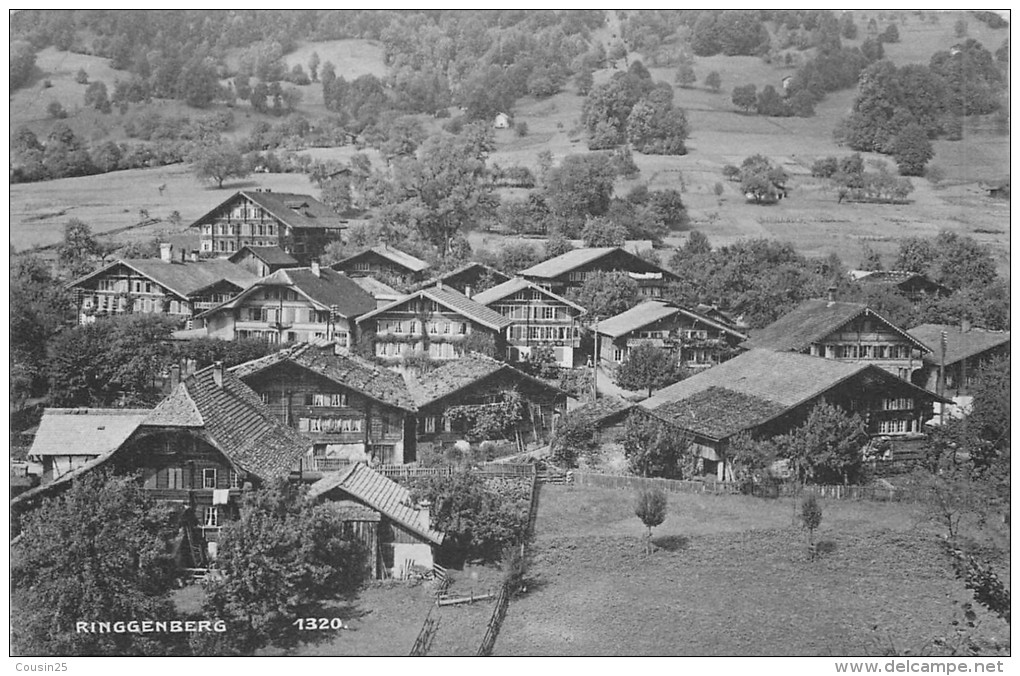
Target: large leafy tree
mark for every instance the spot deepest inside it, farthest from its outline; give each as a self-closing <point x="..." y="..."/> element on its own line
<point x="649" y="367"/>
<point x="582" y="185"/>
<point x="655" y="127"/>
<point x="762" y="180"/>
<point x="827" y="447"/>
<point x="218" y="162"/>
<point x="40" y="307"/>
<point x="282" y="559"/>
<point x="444" y="190"/>
<point x="655" y="448"/>
<point x="96" y="553"/>
<point x="606" y="294"/>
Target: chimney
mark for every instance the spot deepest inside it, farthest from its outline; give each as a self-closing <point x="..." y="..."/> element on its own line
<point x="467" y="290"/>
<point x="166" y="252"/>
<point x="964" y="325"/>
<point x="217" y="373"/>
<point x="832" y="294"/>
<point x="439" y="285"/>
<point x="315" y="267"/>
<point x="175" y="376"/>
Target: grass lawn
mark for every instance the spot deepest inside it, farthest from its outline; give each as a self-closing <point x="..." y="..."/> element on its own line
<point x="730" y="577"/>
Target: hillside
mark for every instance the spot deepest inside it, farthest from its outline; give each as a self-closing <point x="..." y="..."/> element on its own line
<point x="721" y="135"/>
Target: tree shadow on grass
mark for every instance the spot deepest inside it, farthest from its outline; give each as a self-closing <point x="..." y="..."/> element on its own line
<point x="672" y="543"/>
<point x="826" y="547"/>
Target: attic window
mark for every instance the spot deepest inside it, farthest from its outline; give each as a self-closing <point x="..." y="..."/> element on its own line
<point x="296" y="204"/>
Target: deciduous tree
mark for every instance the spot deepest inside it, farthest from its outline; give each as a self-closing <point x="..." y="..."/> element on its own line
<point x="657" y="449"/>
<point x="649" y="367"/>
<point x="651" y="509"/>
<point x="606" y="294"/>
<point x="218" y="163"/>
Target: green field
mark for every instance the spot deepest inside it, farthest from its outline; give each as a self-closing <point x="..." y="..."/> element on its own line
<point x="720" y="135"/>
<point x="730" y="576"/>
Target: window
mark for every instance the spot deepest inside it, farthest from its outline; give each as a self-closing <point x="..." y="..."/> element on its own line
<point x="617" y="354"/>
<point x="894" y="426"/>
<point x="212" y="517"/>
<point x="548" y="313"/>
<point x="362" y="266"/>
<point x="234" y="479"/>
<point x="898" y="404"/>
<point x="209" y="478"/>
<point x="264" y="396"/>
<point x="430" y="423"/>
<point x="463" y="329"/>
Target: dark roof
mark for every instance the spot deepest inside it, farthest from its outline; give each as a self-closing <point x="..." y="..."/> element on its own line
<point x="651" y="311"/>
<point x="959" y="344"/>
<point x="85" y="431"/>
<point x="271" y="255"/>
<point x="326" y="289"/>
<point x="378" y="290"/>
<point x="235" y="421"/>
<point x="571" y="260"/>
<point x="480" y="268"/>
<point x="382" y="494"/>
<point x="183" y="278"/>
<point x="458" y="374"/>
<point x="812" y="321"/>
<point x="453" y="300"/>
<point x="595" y="412"/>
<point x="360" y="375"/>
<point x="396" y="256"/>
<point x="294" y="209"/>
<point x="718" y="413"/>
<point x="512" y="286"/>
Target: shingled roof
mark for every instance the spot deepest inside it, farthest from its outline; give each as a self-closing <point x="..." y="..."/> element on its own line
<point x="382" y="494"/>
<point x="360" y="375"/>
<point x="784" y="378"/>
<point x="458" y="374"/>
<point x="85" y="431"/>
<point x="959" y="344"/>
<point x="326" y="289"/>
<point x="452" y="300"/>
<point x="813" y="320"/>
<point x="571" y="260"/>
<point x="512" y="286"/>
<point x="296" y="210"/>
<point x="603" y="408"/>
<point x="652" y="311"/>
<point x="183" y="278"/>
<point x="718" y="413"/>
<point x="271" y="255"/>
<point x="396" y="256"/>
<point x="235" y="421"/>
<point x="473" y="266"/>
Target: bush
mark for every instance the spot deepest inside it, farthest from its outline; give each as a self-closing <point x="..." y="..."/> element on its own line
<point x="521" y="129"/>
<point x="825" y="167"/>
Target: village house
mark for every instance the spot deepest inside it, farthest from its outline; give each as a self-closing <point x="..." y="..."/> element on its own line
<point x="699" y="342"/>
<point x="380" y="513"/>
<point x="913" y="286"/>
<point x="766" y="393"/>
<point x="349" y="409"/>
<point x="292" y="305"/>
<point x="263" y="261"/>
<point x="197" y="450"/>
<point x="569" y="270"/>
<point x="176" y="286"/>
<point x="68" y="438"/>
<point x="605" y="416"/>
<point x="539" y="318"/>
<point x="383" y="293"/>
<point x="298" y="224"/>
<point x="967" y="350"/>
<point x="435" y="322"/>
<point x="454" y="402"/>
<point x="385" y="262"/>
<point x="849" y="332"/>
<point x="469" y="279"/>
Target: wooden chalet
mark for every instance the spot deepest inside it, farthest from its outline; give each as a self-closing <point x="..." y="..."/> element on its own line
<point x="68" y="438"/>
<point x="380" y="513"/>
<point x="383" y="293"/>
<point x="433" y="321"/>
<point x="606" y="416"/>
<point x="349" y="409"/>
<point x="383" y="261"/>
<point x="967" y="350"/>
<point x="697" y="340"/>
<point x="198" y="449"/>
<point x="569" y="270"/>
<point x="171" y="285"/>
<point x="292" y="305"/>
<point x="298" y="224"/>
<point x="470" y="279"/>
<point x="445" y="397"/>
<point x="263" y="261"/>
<point x="849" y="332"/>
<point x="538" y="318"/>
<point x="914" y="286"/>
<point x="767" y="393"/>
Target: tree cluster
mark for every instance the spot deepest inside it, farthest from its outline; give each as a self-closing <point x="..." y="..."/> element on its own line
<point x="655" y="448"/>
<point x="731" y="32"/>
<point x="649" y="367"/>
<point x="761" y="181"/>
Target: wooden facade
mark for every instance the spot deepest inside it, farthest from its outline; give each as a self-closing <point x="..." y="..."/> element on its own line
<point x="385" y="263"/>
<point x="341" y="424"/>
<point x="652" y="280"/>
<point x="870" y="339"/>
<point x="278" y="314"/>
<point x="697" y="343"/>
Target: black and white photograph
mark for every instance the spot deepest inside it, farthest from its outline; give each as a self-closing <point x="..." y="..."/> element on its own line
<point x="581" y="333"/>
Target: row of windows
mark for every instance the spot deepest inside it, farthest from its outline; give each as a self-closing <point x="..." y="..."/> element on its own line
<point x="255" y="229"/>
<point x="285" y="315"/>
<point x="435" y="350"/>
<point x="542" y="312"/>
<point x="413" y="327"/>
<point x="179" y="478"/>
<point x="108" y="303"/>
<point x="855" y="351"/>
<point x="898" y="404"/>
<point x="128" y="286"/>
<point x="330" y="425"/>
<point x="895" y="426"/>
<point x="521" y="333"/>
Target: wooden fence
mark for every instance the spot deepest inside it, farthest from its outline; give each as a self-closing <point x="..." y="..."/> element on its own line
<point x="488" y="469"/>
<point x="877" y="492"/>
<point x="495" y="622"/>
<point x="423" y="643"/>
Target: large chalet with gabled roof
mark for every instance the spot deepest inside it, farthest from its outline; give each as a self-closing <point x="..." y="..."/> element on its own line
<point x="175" y="286"/>
<point x="385" y="262"/>
<point x="569" y="270"/>
<point x="967" y="351"/>
<point x="850" y="332"/>
<point x="298" y="224"/>
<point x="540" y="318"/>
<point x="697" y="340"/>
<point x="292" y="305"/>
<point x="765" y="393"/>
<point x="348" y="408"/>
<point x="435" y="322"/>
